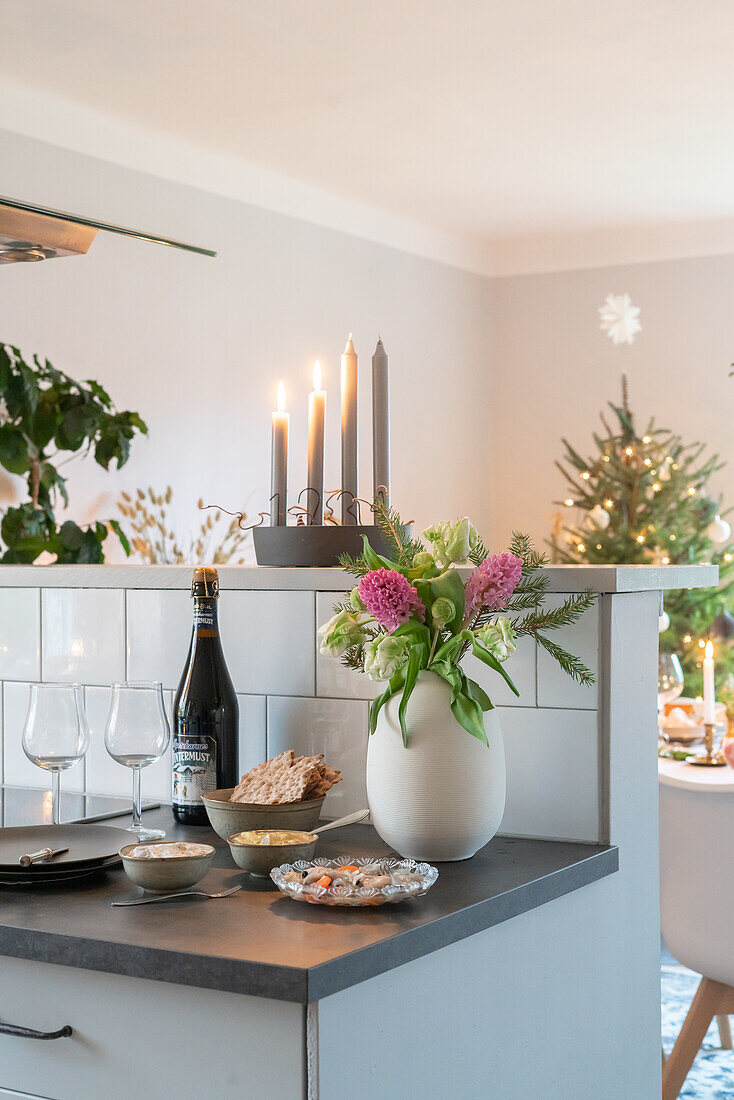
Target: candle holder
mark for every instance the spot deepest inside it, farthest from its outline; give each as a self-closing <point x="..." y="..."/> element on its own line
<point x="708" y="758"/>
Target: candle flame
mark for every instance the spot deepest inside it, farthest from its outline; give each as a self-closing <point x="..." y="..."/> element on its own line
<point x="317" y="375"/>
<point x="709" y="651"/>
<point x="281" y="397"/>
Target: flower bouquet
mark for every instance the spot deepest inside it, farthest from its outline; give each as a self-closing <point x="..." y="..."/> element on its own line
<point x="414" y="612"/>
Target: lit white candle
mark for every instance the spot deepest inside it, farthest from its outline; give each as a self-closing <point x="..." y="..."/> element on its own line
<point x="709" y="690"/>
<point x="349" y="433"/>
<point x="279" y="463"/>
<point x="316" y="413"/>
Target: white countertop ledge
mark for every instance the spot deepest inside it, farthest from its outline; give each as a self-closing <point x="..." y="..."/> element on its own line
<point x="562" y="578"/>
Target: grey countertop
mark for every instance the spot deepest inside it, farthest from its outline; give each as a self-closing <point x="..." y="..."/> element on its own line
<point x="561" y="578"/>
<point x="267" y="945"/>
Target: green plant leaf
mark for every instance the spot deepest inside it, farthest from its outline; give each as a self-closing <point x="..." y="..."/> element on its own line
<point x="468" y="713"/>
<point x="478" y="694"/>
<point x="13" y="449"/>
<point x="415" y="659"/>
<point x="488" y="659"/>
<point x="115" y="525"/>
<point x="448" y="584"/>
<point x="373" y="559"/>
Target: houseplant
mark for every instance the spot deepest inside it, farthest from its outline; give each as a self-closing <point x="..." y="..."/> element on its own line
<point x="435" y="759"/>
<point x="47" y="419"/>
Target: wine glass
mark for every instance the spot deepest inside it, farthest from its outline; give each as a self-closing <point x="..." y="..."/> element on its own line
<point x="56" y="733"/>
<point x="670" y="679"/>
<point x="137" y="734"/>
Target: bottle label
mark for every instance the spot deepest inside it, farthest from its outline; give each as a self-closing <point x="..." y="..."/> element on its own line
<point x="205" y="614"/>
<point x="194" y="767"/>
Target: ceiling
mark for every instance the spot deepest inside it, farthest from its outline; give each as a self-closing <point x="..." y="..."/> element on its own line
<point x="521" y="132"/>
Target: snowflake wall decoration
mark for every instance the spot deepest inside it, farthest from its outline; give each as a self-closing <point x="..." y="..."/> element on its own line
<point x="620" y="320"/>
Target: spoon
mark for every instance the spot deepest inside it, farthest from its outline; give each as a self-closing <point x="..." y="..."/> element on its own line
<point x="350" y="819"/>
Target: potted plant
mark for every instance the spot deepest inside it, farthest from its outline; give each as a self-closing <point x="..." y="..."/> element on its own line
<point x="435" y="759"/>
<point x="46" y="420"/>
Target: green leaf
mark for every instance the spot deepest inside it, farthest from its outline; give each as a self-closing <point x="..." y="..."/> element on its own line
<point x="394" y="685"/>
<point x="468" y="713"/>
<point x="71" y="535"/>
<point x="448" y="584"/>
<point x="478" y="694"/>
<point x="415" y="659"/>
<point x="373" y="559"/>
<point x="115" y="525"/>
<point x="488" y="659"/>
<point x="13" y="450"/>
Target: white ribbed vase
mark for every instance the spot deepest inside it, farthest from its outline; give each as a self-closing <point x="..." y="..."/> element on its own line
<point x="442" y="797"/>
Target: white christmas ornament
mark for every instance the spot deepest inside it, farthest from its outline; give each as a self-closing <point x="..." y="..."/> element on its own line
<point x="664" y="472"/>
<point x="719" y="531"/>
<point x="663" y="622"/>
<point x="620" y="320"/>
<point x="598" y="517"/>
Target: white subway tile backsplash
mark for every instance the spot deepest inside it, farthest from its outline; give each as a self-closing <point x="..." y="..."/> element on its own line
<point x="268" y="640"/>
<point x="552" y="773"/>
<point x="105" y="775"/>
<point x="159" y="625"/>
<point x="335" y="727"/>
<point x="82" y="635"/>
<point x="520" y="667"/>
<point x="253" y="731"/>
<point x="20" y="634"/>
<point x="333" y="680"/>
<point x="17" y="769"/>
<point x="555" y="688"/>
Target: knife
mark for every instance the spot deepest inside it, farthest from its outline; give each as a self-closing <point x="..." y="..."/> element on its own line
<point x="41" y="856"/>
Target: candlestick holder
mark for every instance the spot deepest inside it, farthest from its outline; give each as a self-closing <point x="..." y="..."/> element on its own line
<point x="708" y="758"/>
<point x="310" y="544"/>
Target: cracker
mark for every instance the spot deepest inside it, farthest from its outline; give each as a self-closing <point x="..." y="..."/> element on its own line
<point x="286" y="778"/>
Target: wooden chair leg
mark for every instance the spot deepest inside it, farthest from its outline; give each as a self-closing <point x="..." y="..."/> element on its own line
<point x="724" y="1032"/>
<point x="711" y="998"/>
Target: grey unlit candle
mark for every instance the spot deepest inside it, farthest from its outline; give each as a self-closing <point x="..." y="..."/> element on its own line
<point x="349" y="434"/>
<point x="279" y="463"/>
<point x="316" y="411"/>
<point x="380" y="424"/>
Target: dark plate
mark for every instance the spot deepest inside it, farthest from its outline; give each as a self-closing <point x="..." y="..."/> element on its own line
<point x="87" y="844"/>
<point x="43" y="878"/>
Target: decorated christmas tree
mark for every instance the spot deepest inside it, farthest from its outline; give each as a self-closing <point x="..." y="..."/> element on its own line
<point x="643" y="498"/>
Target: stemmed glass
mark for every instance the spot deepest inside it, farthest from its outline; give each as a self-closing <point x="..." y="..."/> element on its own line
<point x="56" y="733"/>
<point x="137" y="734"/>
<point x="670" y="679"/>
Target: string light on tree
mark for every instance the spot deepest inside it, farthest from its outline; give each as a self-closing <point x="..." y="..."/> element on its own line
<point x="647" y="500"/>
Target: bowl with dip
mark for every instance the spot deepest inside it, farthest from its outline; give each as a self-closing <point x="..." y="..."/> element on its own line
<point x="228" y="817"/>
<point x="260" y="850"/>
<point x="164" y="867"/>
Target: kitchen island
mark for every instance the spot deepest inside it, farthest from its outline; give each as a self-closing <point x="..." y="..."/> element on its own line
<point x="530" y="971"/>
<point x="110" y="973"/>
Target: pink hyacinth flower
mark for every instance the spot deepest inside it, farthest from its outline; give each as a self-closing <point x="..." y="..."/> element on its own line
<point x="390" y="598"/>
<point x="492" y="583"/>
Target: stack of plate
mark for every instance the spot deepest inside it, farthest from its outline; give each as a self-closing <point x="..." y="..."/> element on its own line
<point x="92" y="848"/>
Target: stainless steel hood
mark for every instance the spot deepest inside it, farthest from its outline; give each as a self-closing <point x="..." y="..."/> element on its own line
<point x="30" y="233"/>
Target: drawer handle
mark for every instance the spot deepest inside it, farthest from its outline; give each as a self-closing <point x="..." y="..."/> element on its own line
<point x="29" y="1033"/>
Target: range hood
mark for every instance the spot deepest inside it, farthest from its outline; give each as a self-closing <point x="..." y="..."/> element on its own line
<point x="30" y="233"/>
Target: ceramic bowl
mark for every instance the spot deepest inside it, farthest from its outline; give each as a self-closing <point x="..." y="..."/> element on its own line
<point x="237" y="817"/>
<point x="260" y="859"/>
<point x="162" y="876"/>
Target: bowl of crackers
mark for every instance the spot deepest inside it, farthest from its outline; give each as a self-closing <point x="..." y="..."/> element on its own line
<point x="286" y="792"/>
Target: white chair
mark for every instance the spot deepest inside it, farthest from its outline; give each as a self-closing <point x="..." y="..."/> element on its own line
<point x="697" y="900"/>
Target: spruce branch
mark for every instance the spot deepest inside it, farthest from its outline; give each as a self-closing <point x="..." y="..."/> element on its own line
<point x="571" y="665"/>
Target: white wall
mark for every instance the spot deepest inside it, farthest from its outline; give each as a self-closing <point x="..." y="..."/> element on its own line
<point x="553" y="370"/>
<point x="197" y="346"/>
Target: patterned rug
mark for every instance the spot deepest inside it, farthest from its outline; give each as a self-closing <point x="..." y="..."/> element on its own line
<point x="712" y="1073"/>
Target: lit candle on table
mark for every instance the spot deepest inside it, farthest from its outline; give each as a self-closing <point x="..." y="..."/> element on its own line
<point x="316" y="411"/>
<point x="279" y="463"/>
<point x="380" y="425"/>
<point x="709" y="691"/>
<point x="349" y="433"/>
